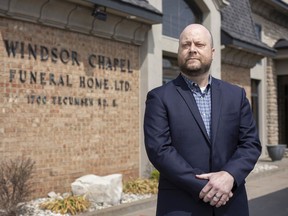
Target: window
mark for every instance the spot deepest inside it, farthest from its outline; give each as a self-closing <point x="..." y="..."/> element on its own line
<point x="170" y="68"/>
<point x="255" y="99"/>
<point x="258" y="30"/>
<point x="177" y="14"/>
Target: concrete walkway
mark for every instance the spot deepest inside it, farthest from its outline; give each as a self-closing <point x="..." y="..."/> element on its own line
<point x="267" y="182"/>
<point x="266" y="178"/>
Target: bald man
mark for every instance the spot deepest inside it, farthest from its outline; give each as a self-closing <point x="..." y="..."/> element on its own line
<point x="201" y="136"/>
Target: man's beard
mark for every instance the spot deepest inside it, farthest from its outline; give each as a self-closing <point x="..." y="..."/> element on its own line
<point x="194" y="71"/>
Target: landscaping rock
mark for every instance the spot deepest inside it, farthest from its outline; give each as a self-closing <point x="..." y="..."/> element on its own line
<point x="99" y="189"/>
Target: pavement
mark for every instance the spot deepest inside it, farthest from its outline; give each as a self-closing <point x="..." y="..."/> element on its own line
<point x="267" y="190"/>
<point x="271" y="204"/>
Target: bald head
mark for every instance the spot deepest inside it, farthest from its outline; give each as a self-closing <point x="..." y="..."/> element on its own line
<point x="198" y="29"/>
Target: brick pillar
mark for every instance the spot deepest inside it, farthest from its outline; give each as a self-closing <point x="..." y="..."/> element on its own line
<point x="272" y="106"/>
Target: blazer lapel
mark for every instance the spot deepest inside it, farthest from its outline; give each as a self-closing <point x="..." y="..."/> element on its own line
<point x="187" y="96"/>
<point x="216" y="103"/>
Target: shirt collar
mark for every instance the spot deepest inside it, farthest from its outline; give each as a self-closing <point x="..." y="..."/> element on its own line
<point x="194" y="86"/>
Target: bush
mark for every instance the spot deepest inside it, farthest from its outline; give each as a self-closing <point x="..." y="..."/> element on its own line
<point x="155" y="174"/>
<point x="71" y="204"/>
<point x="14" y="186"/>
<point x="141" y="186"/>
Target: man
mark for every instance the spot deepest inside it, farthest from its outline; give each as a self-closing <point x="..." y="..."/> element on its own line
<point x="200" y="135"/>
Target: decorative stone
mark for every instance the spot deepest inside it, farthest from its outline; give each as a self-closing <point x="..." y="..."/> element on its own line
<point x="99" y="189"/>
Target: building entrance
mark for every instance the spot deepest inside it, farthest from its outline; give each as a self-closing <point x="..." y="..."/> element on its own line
<point x="283" y="108"/>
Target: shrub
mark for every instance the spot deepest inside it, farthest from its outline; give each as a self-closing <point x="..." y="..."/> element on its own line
<point x="141" y="186"/>
<point x="155" y="174"/>
<point x="14" y="185"/>
<point x="71" y="204"/>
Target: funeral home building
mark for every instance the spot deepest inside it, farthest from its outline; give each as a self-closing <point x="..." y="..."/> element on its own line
<point x="74" y="75"/>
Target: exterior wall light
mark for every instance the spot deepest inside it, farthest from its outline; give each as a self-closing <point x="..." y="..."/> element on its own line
<point x="99" y="14"/>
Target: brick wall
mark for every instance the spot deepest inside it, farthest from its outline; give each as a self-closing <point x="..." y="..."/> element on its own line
<point x="68" y="115"/>
<point x="238" y="76"/>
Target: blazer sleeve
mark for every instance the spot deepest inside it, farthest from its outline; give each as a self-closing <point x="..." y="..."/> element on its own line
<point x="249" y="147"/>
<point x="161" y="152"/>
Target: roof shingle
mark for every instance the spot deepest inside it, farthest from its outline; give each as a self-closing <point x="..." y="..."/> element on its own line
<point x="237" y="22"/>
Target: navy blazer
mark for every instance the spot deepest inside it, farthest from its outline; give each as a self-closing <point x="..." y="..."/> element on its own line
<point x="178" y="145"/>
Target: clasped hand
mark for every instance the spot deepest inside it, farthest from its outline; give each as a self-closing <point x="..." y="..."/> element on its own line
<point x="218" y="189"/>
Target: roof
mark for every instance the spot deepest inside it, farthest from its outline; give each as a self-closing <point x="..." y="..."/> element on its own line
<point x="281" y="44"/>
<point x="238" y="29"/>
<point x="142" y="4"/>
<point x="139" y="8"/>
<point x="282" y="49"/>
<point x="280" y="5"/>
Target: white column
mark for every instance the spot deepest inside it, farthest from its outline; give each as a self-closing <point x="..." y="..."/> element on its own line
<point x="150" y="76"/>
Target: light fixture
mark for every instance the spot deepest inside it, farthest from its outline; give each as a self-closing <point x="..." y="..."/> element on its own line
<point x="131" y="17"/>
<point x="99" y="14"/>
